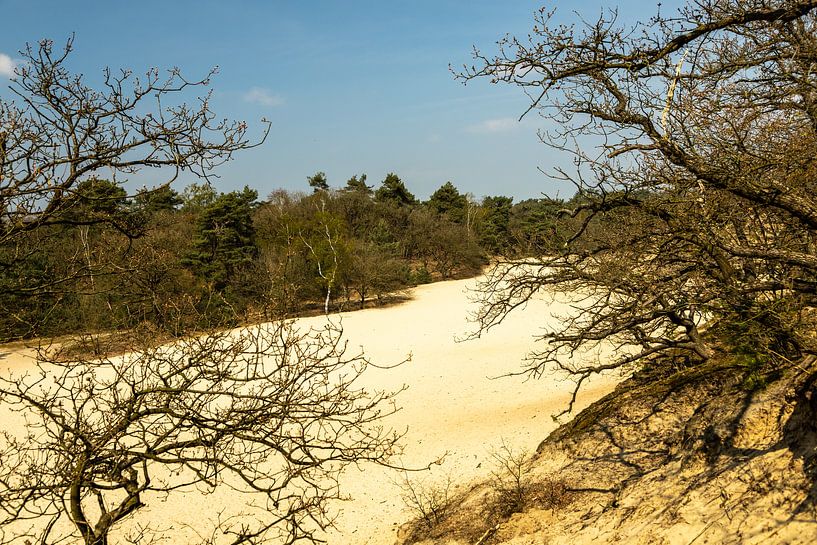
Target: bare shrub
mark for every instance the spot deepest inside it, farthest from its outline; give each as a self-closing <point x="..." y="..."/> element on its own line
<point x="430" y="503"/>
<point x="550" y="493"/>
<point x="509" y="479"/>
<point x="516" y="489"/>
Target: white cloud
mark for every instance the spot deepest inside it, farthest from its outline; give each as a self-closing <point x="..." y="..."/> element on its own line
<point x="7" y="65"/>
<point x="502" y="124"/>
<point x="259" y="95"/>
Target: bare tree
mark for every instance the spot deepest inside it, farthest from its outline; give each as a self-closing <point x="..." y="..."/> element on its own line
<point x="60" y="131"/>
<point x="64" y="148"/>
<point x="696" y="229"/>
<point x="271" y="412"/>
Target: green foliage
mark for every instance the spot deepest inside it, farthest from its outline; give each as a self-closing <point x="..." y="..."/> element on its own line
<point x="374" y="272"/>
<point x="97" y="201"/>
<point x="318" y="182"/>
<point x="441" y="244"/>
<point x="324" y="245"/>
<point x="448" y="201"/>
<point x="394" y="191"/>
<point x="207" y="259"/>
<point x="495" y="233"/>
<point x="422" y="276"/>
<point x="98" y="196"/>
<point x="357" y="209"/>
<point x="535" y="225"/>
<point x="356" y="183"/>
<point x="758" y="335"/>
<point x="306" y="248"/>
<point x="158" y="199"/>
<point x="25" y="306"/>
<point x="225" y="237"/>
<point x="196" y="197"/>
<point x="158" y="289"/>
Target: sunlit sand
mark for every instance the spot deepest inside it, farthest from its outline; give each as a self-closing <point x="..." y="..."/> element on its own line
<point x="455" y="410"/>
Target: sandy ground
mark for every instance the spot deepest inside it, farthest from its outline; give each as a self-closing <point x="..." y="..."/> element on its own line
<point x="453" y="410"/>
<point x="454" y="406"/>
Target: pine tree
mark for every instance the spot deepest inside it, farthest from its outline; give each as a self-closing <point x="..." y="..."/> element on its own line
<point x="225" y="237"/>
<point x="393" y="190"/>
<point x="449" y="201"/>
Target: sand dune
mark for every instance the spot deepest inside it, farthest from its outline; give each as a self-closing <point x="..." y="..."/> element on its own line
<point x="453" y="410"/>
<point x="453" y="406"/>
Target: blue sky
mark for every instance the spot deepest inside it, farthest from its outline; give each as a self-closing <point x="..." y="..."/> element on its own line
<point x="350" y="87"/>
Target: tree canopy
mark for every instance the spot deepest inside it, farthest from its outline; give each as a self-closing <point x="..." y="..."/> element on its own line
<point x="448" y="200"/>
<point x="225" y="236"/>
<point x="158" y="199"/>
<point x="356" y="183"/>
<point x="695" y="227"/>
<point x="393" y="190"/>
<point x="318" y="182"/>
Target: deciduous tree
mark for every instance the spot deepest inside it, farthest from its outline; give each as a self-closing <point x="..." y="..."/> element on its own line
<point x="696" y="220"/>
<point x="271" y="413"/>
<point x="60" y="131"/>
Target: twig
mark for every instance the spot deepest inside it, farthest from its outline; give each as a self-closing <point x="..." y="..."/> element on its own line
<point x="488" y="533"/>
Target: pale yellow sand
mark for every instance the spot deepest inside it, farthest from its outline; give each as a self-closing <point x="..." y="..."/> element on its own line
<point x="452" y="409"/>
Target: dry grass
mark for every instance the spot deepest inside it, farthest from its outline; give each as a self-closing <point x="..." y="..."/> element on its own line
<point x="474" y="515"/>
<point x="674" y="450"/>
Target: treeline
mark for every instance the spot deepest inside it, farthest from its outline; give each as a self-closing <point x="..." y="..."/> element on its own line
<point x="200" y="258"/>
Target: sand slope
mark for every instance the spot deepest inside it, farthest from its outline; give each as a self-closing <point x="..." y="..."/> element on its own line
<point x="693" y="457"/>
<point x="452" y="410"/>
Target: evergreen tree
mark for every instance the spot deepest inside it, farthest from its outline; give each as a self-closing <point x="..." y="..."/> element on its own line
<point x="449" y="201"/>
<point x="157" y="199"/>
<point x="393" y="190"/>
<point x="318" y="182"/>
<point x="358" y="184"/>
<point x="535" y="225"/>
<point x="225" y="237"/>
<point x="99" y="196"/>
<point x="495" y="232"/>
<point x="101" y="202"/>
